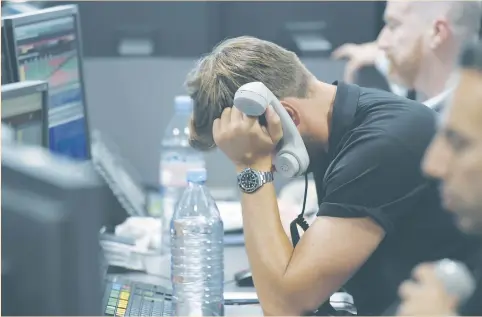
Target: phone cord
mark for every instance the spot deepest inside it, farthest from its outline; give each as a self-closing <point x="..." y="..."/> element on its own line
<point x="300" y="220"/>
<point x="325" y="309"/>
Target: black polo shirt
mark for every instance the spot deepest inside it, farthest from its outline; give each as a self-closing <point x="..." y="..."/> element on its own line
<point x="473" y="307"/>
<point x="376" y="144"/>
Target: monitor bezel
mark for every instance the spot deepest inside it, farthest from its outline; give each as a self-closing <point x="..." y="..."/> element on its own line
<point x="19" y="89"/>
<point x="11" y="22"/>
<point x="9" y="77"/>
<point x="61" y="184"/>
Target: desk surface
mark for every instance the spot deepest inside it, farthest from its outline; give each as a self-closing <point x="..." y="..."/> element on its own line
<point x="235" y="260"/>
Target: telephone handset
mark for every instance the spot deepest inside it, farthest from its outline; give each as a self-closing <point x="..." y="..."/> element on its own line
<point x="292" y="157"/>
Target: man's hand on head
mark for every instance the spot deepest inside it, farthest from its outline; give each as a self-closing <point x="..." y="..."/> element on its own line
<point x="426" y="295"/>
<point x="245" y="141"/>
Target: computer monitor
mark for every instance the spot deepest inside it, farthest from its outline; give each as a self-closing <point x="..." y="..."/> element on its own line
<point x="24" y="110"/>
<point x="48" y="47"/>
<point x="51" y="209"/>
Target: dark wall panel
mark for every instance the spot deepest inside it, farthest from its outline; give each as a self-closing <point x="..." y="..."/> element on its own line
<point x="347" y="21"/>
<point x="188" y="29"/>
<point x="177" y="28"/>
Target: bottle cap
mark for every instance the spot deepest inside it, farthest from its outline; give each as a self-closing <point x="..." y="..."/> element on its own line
<point x="198" y="175"/>
<point x="183" y="103"/>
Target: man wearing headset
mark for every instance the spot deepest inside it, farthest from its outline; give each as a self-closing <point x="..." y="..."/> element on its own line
<point x="454" y="157"/>
<point x="378" y="216"/>
<point x="418" y="46"/>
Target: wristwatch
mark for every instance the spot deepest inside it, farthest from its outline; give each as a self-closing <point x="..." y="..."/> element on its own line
<point x="250" y="180"/>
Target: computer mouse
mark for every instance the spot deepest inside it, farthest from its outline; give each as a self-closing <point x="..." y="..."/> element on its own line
<point x="244" y="278"/>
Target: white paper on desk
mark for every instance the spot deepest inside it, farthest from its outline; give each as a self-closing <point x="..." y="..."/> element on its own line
<point x="231" y="214"/>
<point x="122" y="255"/>
<point x="240" y="295"/>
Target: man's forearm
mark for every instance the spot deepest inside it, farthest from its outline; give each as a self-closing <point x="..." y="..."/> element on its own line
<point x="269" y="249"/>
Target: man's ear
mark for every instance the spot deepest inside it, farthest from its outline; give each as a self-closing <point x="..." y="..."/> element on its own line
<point x="292" y="111"/>
<point x="441" y="32"/>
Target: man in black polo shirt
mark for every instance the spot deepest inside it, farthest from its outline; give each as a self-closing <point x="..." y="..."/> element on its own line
<point x="378" y="216"/>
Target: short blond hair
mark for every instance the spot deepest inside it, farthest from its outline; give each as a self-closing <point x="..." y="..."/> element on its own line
<point x="233" y="63"/>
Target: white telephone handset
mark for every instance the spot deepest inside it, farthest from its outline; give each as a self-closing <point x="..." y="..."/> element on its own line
<point x="292" y="158"/>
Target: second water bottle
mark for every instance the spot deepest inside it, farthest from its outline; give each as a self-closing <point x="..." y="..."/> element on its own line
<point x="177" y="157"/>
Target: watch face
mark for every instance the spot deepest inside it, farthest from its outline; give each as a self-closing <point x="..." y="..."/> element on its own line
<point x="249" y="180"/>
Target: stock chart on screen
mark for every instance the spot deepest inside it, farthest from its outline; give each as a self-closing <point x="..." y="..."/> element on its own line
<point x="48" y="50"/>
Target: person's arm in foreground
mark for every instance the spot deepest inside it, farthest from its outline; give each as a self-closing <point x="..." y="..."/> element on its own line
<point x="426" y="295"/>
<point x="289" y="281"/>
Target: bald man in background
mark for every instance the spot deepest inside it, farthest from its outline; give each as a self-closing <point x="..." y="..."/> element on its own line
<point x="454" y="157"/>
<point x="418" y="46"/>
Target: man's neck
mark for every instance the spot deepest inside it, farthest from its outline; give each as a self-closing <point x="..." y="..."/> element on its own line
<point x="324" y="97"/>
<point x="326" y="94"/>
<point x="433" y="77"/>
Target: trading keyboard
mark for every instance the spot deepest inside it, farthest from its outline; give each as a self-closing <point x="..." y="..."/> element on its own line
<point x="128" y="298"/>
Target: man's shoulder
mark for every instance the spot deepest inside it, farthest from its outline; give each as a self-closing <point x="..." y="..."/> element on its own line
<point x="408" y="121"/>
<point x="373" y="97"/>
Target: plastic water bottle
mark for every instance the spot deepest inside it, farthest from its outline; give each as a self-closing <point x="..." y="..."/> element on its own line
<point x="197" y="252"/>
<point x="177" y="157"/>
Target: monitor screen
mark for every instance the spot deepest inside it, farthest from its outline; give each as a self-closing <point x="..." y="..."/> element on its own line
<point x="48" y="50"/>
<point x="23" y="110"/>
